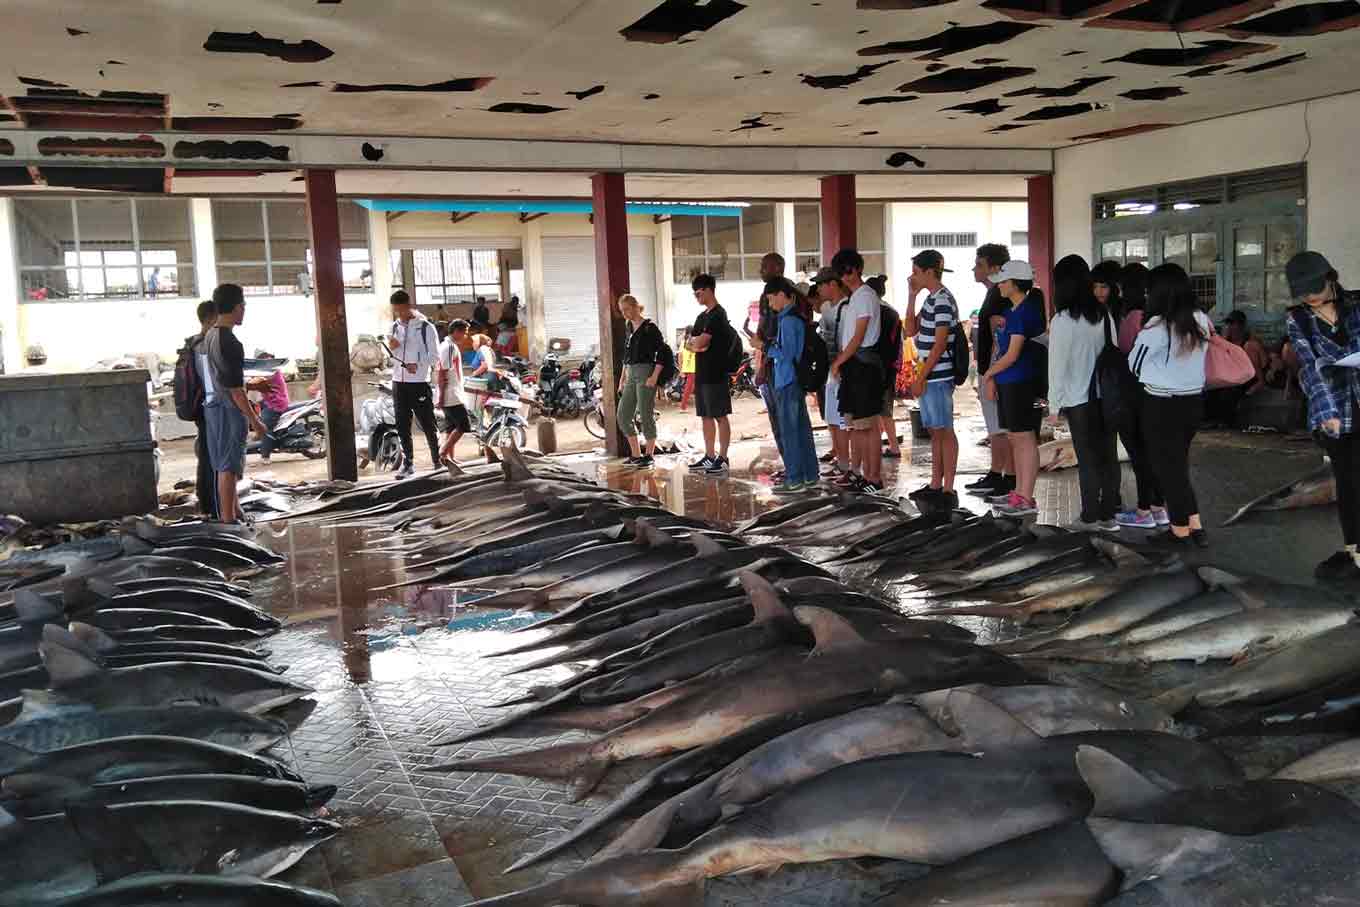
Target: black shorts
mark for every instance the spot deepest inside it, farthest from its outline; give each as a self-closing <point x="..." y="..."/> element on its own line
<point x="456" y="419"/>
<point x="712" y="401"/>
<point x="861" y="392"/>
<point x="1015" y="406"/>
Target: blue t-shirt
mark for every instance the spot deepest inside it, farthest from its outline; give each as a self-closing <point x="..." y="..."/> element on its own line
<point x="789" y="347"/>
<point x="1025" y="320"/>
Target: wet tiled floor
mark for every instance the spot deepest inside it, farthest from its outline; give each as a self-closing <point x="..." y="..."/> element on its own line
<point x="395" y="669"/>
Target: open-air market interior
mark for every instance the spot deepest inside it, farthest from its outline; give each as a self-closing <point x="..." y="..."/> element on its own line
<point x="675" y="452"/>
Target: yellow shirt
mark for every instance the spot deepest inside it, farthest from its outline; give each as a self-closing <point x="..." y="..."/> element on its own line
<point x="686" y="361"/>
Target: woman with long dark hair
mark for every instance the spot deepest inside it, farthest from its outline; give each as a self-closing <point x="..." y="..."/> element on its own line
<point x="1150" y="511"/>
<point x="1105" y="286"/>
<point x="1168" y="360"/>
<point x="1079" y="330"/>
<point x="1324" y="328"/>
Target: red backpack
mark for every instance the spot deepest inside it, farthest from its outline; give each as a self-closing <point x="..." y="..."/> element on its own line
<point x="188" y="385"/>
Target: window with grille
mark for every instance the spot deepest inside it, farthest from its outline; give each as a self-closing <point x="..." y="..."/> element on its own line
<point x="730" y="248"/>
<point x="448" y="276"/>
<point x="104" y="248"/>
<point x="1289" y="182"/>
<point x="265" y="247"/>
<point x="943" y="240"/>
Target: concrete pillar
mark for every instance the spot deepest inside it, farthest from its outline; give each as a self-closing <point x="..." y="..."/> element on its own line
<point x="838" y="214"/>
<point x="665" y="281"/>
<point x="205" y="251"/>
<point x="11" y="345"/>
<point x="532" y="250"/>
<point x="785" y="240"/>
<point x="332" y="330"/>
<point x="611" y="277"/>
<point x="1041" y="231"/>
<point x="380" y="254"/>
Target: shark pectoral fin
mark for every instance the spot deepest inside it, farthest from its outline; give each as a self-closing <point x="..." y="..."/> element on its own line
<point x="1248" y="598"/>
<point x="33" y="608"/>
<point x="1215" y="578"/>
<point x="587" y="778"/>
<point x="1116" y="786"/>
<point x="35" y="784"/>
<point x="92" y="636"/>
<point x="1123" y="556"/>
<point x="981" y="722"/>
<point x="1173" y="852"/>
<point x="765" y="601"/>
<point x="115" y="849"/>
<point x="67" y="667"/>
<point x="831" y="631"/>
<point x="455" y="471"/>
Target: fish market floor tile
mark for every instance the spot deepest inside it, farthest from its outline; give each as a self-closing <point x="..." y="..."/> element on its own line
<point x="435" y="884"/>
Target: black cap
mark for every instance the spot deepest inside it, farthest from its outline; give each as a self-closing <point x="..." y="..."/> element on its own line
<point x="930" y="260"/>
<point x="1236" y="316"/>
<point x="824" y="275"/>
<point x="1307" y="274"/>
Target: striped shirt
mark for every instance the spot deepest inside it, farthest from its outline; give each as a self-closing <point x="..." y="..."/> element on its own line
<point x="939" y="311"/>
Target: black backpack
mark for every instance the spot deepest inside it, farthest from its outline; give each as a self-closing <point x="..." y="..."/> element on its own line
<point x="889" y="346"/>
<point x="189" y="393"/>
<point x="735" y="351"/>
<point x="665" y="357"/>
<point x="814" y="363"/>
<point x="1112" y="384"/>
<point x="960" y="352"/>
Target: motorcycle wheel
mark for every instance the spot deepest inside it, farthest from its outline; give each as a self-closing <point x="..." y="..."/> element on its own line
<point x="506" y="434"/>
<point x="390" y="457"/>
<point x="318" y="449"/>
<point x="595" y="423"/>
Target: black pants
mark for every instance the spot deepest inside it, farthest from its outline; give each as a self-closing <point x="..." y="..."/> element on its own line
<point x="1169" y="425"/>
<point x="1097" y="462"/>
<point x="1345" y="458"/>
<point x="205" y="483"/>
<point x="412" y="398"/>
<point x="1135" y="442"/>
<point x="1221" y="404"/>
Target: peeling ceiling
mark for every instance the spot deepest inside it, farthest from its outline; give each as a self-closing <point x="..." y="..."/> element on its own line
<point x="891" y="73"/>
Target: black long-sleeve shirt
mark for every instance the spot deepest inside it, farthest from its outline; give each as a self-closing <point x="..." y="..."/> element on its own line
<point x="643" y="345"/>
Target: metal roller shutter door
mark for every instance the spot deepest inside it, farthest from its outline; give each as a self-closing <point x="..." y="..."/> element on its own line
<point x="570" y="293"/>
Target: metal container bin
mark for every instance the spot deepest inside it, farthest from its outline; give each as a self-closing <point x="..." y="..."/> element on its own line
<point x="76" y="447"/>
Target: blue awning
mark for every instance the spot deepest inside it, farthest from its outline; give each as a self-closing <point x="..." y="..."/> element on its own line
<point x="546" y="207"/>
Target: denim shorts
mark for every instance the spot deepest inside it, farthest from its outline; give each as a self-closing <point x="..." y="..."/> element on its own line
<point x="937" y="406"/>
<point x="227" y="430"/>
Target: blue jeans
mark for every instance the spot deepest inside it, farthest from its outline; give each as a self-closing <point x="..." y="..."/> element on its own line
<point x="800" y="455"/>
<point x="270" y="418"/>
<point x="771" y="398"/>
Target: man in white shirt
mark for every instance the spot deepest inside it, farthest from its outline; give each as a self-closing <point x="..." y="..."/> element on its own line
<point x="449" y="388"/>
<point x="859" y="369"/>
<point x="415" y="346"/>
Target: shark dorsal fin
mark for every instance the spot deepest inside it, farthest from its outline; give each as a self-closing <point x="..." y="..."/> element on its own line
<point x="93" y="637"/>
<point x="832" y="632"/>
<point x="765" y="602"/>
<point x="983" y="723"/>
<point x="1117" y="786"/>
<point x="67" y="667"/>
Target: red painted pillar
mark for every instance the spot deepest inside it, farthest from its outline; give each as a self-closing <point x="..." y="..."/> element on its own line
<point x="1041" y="232"/>
<point x="838" y="214"/>
<point x="611" y="277"/>
<point x="332" y="330"/>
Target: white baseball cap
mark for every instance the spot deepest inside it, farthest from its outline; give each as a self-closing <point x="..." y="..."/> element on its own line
<point x="1013" y="270"/>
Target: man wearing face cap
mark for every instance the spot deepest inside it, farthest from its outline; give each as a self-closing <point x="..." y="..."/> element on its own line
<point x="1324" y="327"/>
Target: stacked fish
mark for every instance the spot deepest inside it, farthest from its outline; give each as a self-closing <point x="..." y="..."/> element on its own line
<point x="801" y="718"/>
<point x="133" y="753"/>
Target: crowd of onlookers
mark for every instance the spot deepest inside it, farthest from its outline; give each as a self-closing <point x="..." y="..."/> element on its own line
<point x="1124" y="354"/>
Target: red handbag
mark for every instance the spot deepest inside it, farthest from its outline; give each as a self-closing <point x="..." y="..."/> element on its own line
<point x="1226" y="364"/>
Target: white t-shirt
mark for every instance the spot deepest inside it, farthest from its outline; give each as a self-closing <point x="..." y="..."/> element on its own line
<point x="864" y="304"/>
<point x="451" y="362"/>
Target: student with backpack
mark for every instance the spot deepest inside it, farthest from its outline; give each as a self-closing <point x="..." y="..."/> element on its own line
<point x="833" y="298"/>
<point x="189" y="397"/>
<point x="718" y="352"/>
<point x="415" y="348"/>
<point x="934" y="329"/>
<point x="791" y="355"/>
<point x="646" y="361"/>
<point x="858" y="368"/>
<point x="890" y="350"/>
<point x="1080" y="331"/>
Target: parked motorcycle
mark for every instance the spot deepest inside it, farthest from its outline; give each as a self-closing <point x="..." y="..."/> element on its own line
<point x="301" y="429"/>
<point x="561" y="391"/>
<point x="744" y="379"/>
<point x="377" y="441"/>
